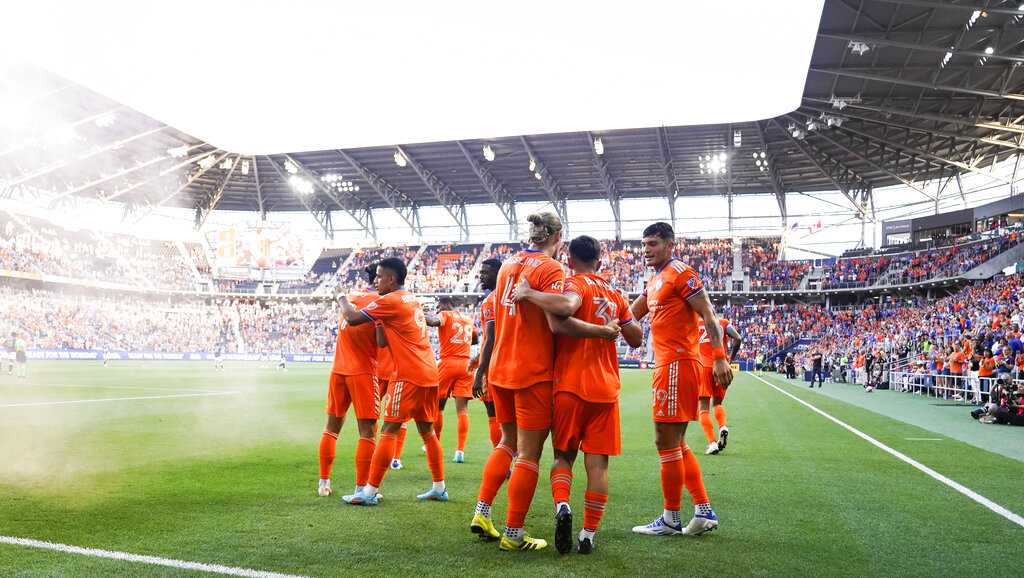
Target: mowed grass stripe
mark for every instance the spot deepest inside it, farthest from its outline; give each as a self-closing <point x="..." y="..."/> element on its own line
<point x="232" y="482"/>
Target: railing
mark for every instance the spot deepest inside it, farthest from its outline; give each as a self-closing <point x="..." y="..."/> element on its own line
<point x="959" y="388"/>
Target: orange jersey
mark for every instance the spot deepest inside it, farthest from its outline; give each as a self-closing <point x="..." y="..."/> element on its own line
<point x="589" y="368"/>
<point x="405" y="326"/>
<point x="673" y="321"/>
<point x="524" y="347"/>
<point x="355" y="351"/>
<point x="705" y="342"/>
<point x="455" y="334"/>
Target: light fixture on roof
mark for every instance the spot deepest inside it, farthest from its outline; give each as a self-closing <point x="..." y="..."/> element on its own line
<point x="812" y="125"/>
<point x="989" y="50"/>
<point x="737" y="138"/>
<point x="400" y="159"/>
<point x="105" y="120"/>
<point x="301" y="185"/>
<point x="598" y="146"/>
<point x="713" y="164"/>
<point x="533" y="165"/>
<point x="488" y="153"/>
<point x="537" y="175"/>
<point x="858" y="48"/>
<point x="290" y="167"/>
<point x="755" y="155"/>
<point x="245" y="167"/>
<point x="178" y="152"/>
<point x="763" y="155"/>
<point x="206" y="162"/>
<point x="225" y="164"/>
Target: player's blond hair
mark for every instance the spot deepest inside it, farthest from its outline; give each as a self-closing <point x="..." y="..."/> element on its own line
<point x="543" y="226"/>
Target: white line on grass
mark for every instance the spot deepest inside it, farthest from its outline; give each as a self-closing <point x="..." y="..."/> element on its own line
<point x="142" y="397"/>
<point x="1016" y="519"/>
<point x="153" y="560"/>
<point x="923" y="439"/>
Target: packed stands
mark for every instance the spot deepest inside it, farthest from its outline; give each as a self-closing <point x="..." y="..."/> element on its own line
<point x="442" y="268"/>
<point x="711" y="258"/>
<point x="766" y="273"/>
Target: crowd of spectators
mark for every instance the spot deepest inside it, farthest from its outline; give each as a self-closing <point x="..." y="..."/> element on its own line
<point x="442" y="268"/>
<point x="766" y="272"/>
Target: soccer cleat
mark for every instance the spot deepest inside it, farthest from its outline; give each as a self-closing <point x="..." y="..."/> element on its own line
<point x="712" y="449"/>
<point x="524" y="543"/>
<point x="396" y="464"/>
<point x="324" y="489"/>
<point x="460" y="457"/>
<point x="434" y="495"/>
<point x="659" y="527"/>
<point x="701" y="523"/>
<point x="483" y="526"/>
<point x="585" y="546"/>
<point x="361" y="499"/>
<point x="423" y="448"/>
<point x="723" y="438"/>
<point x="563" y="530"/>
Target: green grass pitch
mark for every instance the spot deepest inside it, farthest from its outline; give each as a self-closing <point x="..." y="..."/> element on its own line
<point x="230" y="479"/>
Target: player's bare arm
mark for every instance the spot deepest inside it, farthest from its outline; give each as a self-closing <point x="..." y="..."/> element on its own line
<point x="480" y="379"/>
<point x="382" y="338"/>
<point x="633" y="334"/>
<point x="572" y="327"/>
<point x="559" y="304"/>
<point x="351" y="314"/>
<point x="736" y="338"/>
<point x="702" y="305"/>
<point x="639" y="307"/>
<point x="433" y="320"/>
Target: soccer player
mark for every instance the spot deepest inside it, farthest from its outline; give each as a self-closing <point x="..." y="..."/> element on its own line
<point x="352" y="384"/>
<point x="488" y="278"/>
<point x="456" y="333"/>
<point x="21" y="355"/>
<point x="9" y="352"/>
<point x="385" y="375"/>
<point x="676" y="300"/>
<point x="711" y="392"/>
<point x="413" y="393"/>
<point x="586" y="405"/>
<point x="218" y="358"/>
<point x="281" y="360"/>
<point x="520" y="375"/>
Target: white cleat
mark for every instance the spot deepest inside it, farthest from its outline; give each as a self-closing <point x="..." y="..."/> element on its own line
<point x="460" y="457"/>
<point x="658" y="527"/>
<point x="423" y="448"/>
<point x="396" y="464"/>
<point x="700" y="524"/>
<point x="712" y="449"/>
<point x="324" y="489"/>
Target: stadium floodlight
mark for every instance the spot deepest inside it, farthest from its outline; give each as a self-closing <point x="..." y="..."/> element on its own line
<point x="301" y="185"/>
<point x="357" y="188"/>
<point x="290" y="167"/>
<point x="178" y="152"/>
<point x="206" y="162"/>
<point x="105" y="120"/>
<point x="762" y="154"/>
<point x="533" y="165"/>
<point x="537" y="175"/>
<point x="226" y="164"/>
<point x="245" y="167"/>
<point x="598" y="146"/>
<point x="488" y="153"/>
<point x="858" y="48"/>
<point x="737" y="138"/>
<point x="722" y="157"/>
<point x="989" y="50"/>
<point x="400" y="159"/>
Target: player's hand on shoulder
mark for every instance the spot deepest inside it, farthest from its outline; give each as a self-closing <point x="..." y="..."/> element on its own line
<point x="521" y="290"/>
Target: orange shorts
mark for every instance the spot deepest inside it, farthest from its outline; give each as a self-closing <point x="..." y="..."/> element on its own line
<point x="528" y="408"/>
<point x="708" y="386"/>
<point x="590" y="426"/>
<point x="406" y="401"/>
<point x="359" y="391"/>
<point x="675" y="390"/>
<point x="454" y="378"/>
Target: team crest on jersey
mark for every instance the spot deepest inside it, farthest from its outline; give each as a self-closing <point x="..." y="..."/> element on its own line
<point x="692" y="283"/>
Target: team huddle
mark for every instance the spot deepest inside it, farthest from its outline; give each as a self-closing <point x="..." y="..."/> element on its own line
<point x="547" y="365"/>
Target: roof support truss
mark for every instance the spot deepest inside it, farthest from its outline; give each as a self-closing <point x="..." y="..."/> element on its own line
<point x="451" y="201"/>
<point x="505" y="201"/>
<point x="549" y="184"/>
<point x="203" y="210"/>
<point x="774" y="179"/>
<point x="356" y="208"/>
<point x="320" y="213"/>
<point x="669" y="173"/>
<point x="396" y="199"/>
<point x="611" y="191"/>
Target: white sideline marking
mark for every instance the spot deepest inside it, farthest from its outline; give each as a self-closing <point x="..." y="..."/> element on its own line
<point x="923" y="439"/>
<point x="74" y="401"/>
<point x="1016" y="519"/>
<point x="153" y="560"/>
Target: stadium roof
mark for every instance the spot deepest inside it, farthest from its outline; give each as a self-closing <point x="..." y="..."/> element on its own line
<point x="898" y="92"/>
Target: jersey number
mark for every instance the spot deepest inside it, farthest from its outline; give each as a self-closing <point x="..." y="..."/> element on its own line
<point x="605" y="310"/>
<point x="463" y="336"/>
<point x="506" y="296"/>
<point x="421" y="320"/>
<point x="702" y="335"/>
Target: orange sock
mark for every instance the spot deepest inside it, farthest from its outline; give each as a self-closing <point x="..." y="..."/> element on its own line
<point x="495" y="470"/>
<point x="435" y="457"/>
<point x="521" y="488"/>
<point x="671" y="477"/>
<point x="495" y="430"/>
<point x="364" y="455"/>
<point x="692" y="477"/>
<point x="400" y="442"/>
<point x="720" y="415"/>
<point x="381" y="460"/>
<point x="707" y="426"/>
<point x="593" y="509"/>
<point x="463" y="429"/>
<point x="561" y="484"/>
<point x="328" y="442"/>
<point x="439" y="423"/>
